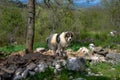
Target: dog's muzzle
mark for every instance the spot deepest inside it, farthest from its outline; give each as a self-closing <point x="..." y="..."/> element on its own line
<point x="69" y="39"/>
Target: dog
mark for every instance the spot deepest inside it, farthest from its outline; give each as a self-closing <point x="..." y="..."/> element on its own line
<point x="58" y="42"/>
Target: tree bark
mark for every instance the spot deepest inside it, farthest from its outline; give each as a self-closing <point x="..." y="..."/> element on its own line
<point x="30" y="26"/>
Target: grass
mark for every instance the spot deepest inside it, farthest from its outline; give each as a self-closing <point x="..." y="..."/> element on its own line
<point x="108" y="70"/>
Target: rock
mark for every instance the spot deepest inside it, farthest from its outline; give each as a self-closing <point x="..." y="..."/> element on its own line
<point x="114" y="33"/>
<point x="7" y="70"/>
<point x="36" y="69"/>
<point x="113" y="58"/>
<point x="88" y="70"/>
<point x="32" y="73"/>
<point x="57" y="70"/>
<point x="79" y="79"/>
<point x="71" y="78"/>
<point x="18" y="71"/>
<point x="31" y="66"/>
<point x="59" y="63"/>
<point x="40" y="49"/>
<point x="2" y="73"/>
<point x="100" y="51"/>
<point x="25" y="73"/>
<point x="6" y="76"/>
<point x="63" y="62"/>
<point x="95" y="58"/>
<point x="57" y="66"/>
<point x="18" y="77"/>
<point x="91" y="74"/>
<point x="91" y="46"/>
<point x="76" y="64"/>
<point x="42" y="66"/>
<point x="84" y="50"/>
<point x="112" y="69"/>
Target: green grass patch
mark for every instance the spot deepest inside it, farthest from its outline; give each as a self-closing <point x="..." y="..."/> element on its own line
<point x="9" y="49"/>
<point x="108" y="70"/>
<point x="15" y="48"/>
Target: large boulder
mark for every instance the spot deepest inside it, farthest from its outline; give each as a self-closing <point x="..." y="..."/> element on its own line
<point x="113" y="58"/>
<point x="75" y="64"/>
<point x="100" y="51"/>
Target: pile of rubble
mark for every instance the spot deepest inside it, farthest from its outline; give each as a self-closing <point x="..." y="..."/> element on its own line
<point x="20" y="65"/>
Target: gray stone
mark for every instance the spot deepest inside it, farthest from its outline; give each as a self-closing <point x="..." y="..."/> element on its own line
<point x="88" y="69"/>
<point x="36" y="69"/>
<point x="42" y="66"/>
<point x="71" y="78"/>
<point x="40" y="49"/>
<point x="18" y="77"/>
<point x="25" y="73"/>
<point x="100" y="51"/>
<point x="7" y="70"/>
<point x="83" y="50"/>
<point x="18" y="71"/>
<point x="63" y="62"/>
<point x="32" y="73"/>
<point x="57" y="66"/>
<point x="79" y="79"/>
<point x="91" y="74"/>
<point x="6" y="76"/>
<point x="113" y="58"/>
<point x="76" y="64"/>
<point x="31" y="66"/>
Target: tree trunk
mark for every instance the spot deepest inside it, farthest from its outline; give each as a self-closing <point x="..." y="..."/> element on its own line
<point x="30" y="26"/>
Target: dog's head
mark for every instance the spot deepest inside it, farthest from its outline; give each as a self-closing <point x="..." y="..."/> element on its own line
<point x="69" y="36"/>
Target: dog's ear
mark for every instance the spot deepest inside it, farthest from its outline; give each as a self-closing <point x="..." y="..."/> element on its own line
<point x="72" y="34"/>
<point x="67" y="34"/>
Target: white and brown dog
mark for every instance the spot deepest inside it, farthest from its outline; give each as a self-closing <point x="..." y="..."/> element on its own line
<point x="58" y="42"/>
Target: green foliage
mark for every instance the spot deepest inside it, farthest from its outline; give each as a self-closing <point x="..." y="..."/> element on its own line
<point x="12" y="24"/>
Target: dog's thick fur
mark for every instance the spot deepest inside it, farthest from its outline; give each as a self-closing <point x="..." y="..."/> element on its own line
<point x="58" y="42"/>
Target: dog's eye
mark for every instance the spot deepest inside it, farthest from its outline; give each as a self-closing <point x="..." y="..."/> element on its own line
<point x="67" y="35"/>
<point x="71" y="35"/>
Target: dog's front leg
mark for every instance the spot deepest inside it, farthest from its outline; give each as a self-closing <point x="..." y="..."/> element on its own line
<point x="63" y="53"/>
<point x="59" y="50"/>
